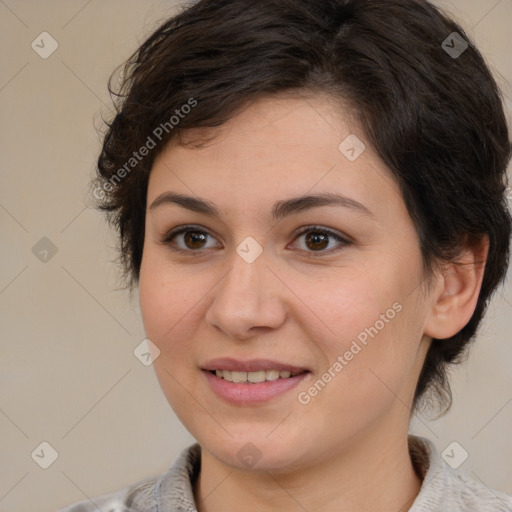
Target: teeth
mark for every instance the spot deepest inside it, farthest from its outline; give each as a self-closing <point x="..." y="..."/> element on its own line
<point x="272" y="374"/>
<point x="239" y="376"/>
<point x="254" y="377"/>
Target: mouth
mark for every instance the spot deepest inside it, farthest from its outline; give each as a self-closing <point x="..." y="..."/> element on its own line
<point x="254" y="377"/>
<point x="251" y="382"/>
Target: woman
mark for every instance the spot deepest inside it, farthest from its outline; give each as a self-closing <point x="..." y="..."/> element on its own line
<point x="310" y="198"/>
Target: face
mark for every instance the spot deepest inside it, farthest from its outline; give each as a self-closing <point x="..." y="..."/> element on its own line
<point x="251" y="281"/>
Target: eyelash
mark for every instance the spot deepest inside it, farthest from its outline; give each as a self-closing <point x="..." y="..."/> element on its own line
<point x="310" y="254"/>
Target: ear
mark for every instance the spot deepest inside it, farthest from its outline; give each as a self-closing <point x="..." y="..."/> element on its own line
<point x="456" y="296"/>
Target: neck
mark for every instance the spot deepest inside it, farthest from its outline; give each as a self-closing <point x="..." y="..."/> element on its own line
<point x="375" y="474"/>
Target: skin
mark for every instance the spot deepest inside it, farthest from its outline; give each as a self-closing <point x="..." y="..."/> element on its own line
<point x="299" y="303"/>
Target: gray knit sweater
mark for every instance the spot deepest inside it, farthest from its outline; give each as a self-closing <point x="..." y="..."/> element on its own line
<point x="443" y="489"/>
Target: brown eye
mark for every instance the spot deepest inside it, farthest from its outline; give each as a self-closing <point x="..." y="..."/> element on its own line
<point x="190" y="239"/>
<point x="317" y="239"/>
<point x="194" y="239"/>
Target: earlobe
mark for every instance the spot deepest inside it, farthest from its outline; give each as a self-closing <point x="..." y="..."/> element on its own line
<point x="455" y="299"/>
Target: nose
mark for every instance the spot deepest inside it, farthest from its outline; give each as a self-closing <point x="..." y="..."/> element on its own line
<point x="249" y="299"/>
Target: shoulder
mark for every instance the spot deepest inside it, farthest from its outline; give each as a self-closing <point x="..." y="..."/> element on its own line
<point x="445" y="488"/>
<point x="120" y="501"/>
<point x="172" y="488"/>
<point x="475" y="495"/>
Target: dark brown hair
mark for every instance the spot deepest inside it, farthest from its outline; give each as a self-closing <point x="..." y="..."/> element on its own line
<point x="428" y="105"/>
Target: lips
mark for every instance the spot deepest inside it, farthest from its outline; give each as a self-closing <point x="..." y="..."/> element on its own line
<point x="255" y="382"/>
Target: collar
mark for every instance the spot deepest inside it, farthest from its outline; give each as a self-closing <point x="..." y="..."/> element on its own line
<point x="442" y="487"/>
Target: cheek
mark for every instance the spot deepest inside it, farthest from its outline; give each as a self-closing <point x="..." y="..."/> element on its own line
<point x="167" y="304"/>
<point x="369" y="341"/>
<point x="345" y="306"/>
<point x="378" y="367"/>
<point x="166" y="294"/>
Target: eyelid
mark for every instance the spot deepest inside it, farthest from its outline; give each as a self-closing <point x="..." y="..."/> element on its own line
<point x="184" y="228"/>
<point x="343" y="240"/>
<point x="322" y="229"/>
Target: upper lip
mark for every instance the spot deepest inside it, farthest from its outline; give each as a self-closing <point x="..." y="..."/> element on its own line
<point x="251" y="365"/>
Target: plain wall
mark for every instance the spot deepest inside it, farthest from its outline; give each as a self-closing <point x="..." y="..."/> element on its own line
<point x="68" y="375"/>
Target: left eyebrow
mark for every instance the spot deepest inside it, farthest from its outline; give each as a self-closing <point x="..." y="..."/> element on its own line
<point x="280" y="209"/>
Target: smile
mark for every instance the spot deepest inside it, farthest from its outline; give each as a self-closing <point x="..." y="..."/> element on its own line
<point x="253" y="377"/>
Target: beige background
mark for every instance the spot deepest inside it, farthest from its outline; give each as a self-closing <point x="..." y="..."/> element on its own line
<point x="68" y="375"/>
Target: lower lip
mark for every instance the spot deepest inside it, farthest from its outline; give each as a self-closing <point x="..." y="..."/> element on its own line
<point x="251" y="393"/>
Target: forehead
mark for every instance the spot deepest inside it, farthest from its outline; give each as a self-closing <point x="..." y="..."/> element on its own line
<point x="275" y="148"/>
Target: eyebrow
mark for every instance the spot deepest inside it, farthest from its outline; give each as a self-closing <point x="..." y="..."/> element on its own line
<point x="280" y="209"/>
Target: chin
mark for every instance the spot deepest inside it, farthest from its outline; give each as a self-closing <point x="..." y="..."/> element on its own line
<point x="254" y="450"/>
<point x="248" y="455"/>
